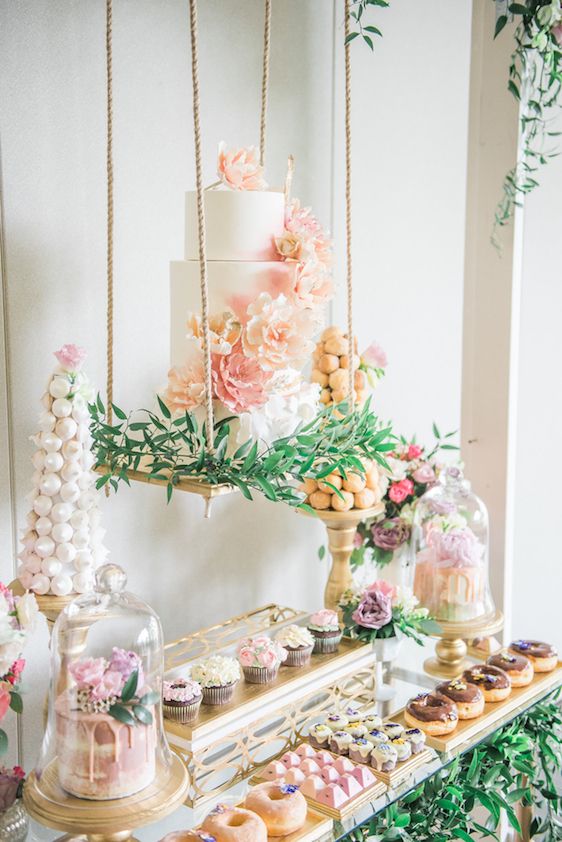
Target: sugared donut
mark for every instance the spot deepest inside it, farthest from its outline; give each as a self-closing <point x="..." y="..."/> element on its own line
<point x="281" y="806"/>
<point x="518" y="667"/>
<point x="493" y="681"/>
<point x="433" y="713"/>
<point x="234" y="824"/>
<point x="543" y="656"/>
<point x="468" y="698"/>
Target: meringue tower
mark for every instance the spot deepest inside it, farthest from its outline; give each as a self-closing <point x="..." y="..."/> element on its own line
<point x="62" y="542"/>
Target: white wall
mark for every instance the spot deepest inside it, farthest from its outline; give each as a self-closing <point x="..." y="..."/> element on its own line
<point x="410" y="111"/>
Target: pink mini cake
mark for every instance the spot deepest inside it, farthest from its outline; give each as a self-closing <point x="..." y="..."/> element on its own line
<point x="290" y="758"/>
<point x="350" y="785"/>
<point x="364" y="776"/>
<point x="294" y="776"/>
<point x="310" y="767"/>
<point x="330" y="774"/>
<point x="332" y="796"/>
<point x="274" y="770"/>
<point x="324" y="758"/>
<point x="305" y="750"/>
<point x="313" y="786"/>
<point x="344" y="765"/>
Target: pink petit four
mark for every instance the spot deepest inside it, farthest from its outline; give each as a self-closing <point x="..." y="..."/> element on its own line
<point x="344" y="765"/>
<point x="274" y="770"/>
<point x="294" y="776"/>
<point x="310" y="767"/>
<point x="330" y="774"/>
<point x="363" y="776"/>
<point x="350" y="785"/>
<point x="324" y="758"/>
<point x="305" y="750"/>
<point x="289" y="759"/>
<point x="312" y="786"/>
<point x="332" y="795"/>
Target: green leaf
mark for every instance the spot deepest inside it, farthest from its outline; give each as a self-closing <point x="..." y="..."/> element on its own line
<point x="163" y="408"/>
<point x="143" y="714"/>
<point x="119" y="412"/>
<point x="351" y="36"/>
<point x="373" y="29"/>
<point x="100" y="405"/>
<point x="435" y="429"/>
<point x="403" y="820"/>
<point x="16" y="702"/>
<point x="3" y="742"/>
<point x="130" y="687"/>
<point x="121" y="713"/>
<point x="459" y="833"/>
<point x="169" y="491"/>
<point x="519" y="9"/>
<point x="500" y="23"/>
<point x="321" y="552"/>
<point x="150" y="698"/>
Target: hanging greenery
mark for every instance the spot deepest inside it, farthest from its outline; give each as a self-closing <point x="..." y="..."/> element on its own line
<point x="172" y="449"/>
<point x="535" y="79"/>
<point x="358" y="21"/>
<point x="519" y="763"/>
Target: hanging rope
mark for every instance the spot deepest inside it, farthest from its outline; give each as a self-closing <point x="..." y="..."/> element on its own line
<point x="109" y="164"/>
<point x="201" y="227"/>
<point x="265" y="78"/>
<point x="351" y="349"/>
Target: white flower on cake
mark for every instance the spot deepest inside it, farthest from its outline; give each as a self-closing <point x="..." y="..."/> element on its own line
<point x="277" y="334"/>
<point x="280" y="416"/>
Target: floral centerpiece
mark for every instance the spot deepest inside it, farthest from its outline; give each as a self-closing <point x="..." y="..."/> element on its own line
<point x="14" y="822"/>
<point x="384" y="611"/>
<point x="17" y="619"/>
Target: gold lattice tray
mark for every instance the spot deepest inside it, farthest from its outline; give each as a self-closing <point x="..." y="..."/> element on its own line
<point x="229" y="743"/>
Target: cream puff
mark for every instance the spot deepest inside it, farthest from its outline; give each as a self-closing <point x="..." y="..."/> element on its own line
<point x="391" y="729"/>
<point x="493" y="681"/>
<point x="340" y="742"/>
<point x="336" y="721"/>
<point x="543" y="656"/>
<point x="403" y="748"/>
<point x="384" y="757"/>
<point x="416" y="738"/>
<point x="518" y="667"/>
<point x="468" y="698"/>
<point x="432" y="713"/>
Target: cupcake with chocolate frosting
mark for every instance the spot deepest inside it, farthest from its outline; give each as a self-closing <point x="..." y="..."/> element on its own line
<point x="298" y="642"/>
<point x="181" y="699"/>
<point x="325" y="628"/>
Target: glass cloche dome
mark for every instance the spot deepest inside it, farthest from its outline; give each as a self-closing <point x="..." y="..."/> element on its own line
<point x="450" y="540"/>
<point x="104" y="738"/>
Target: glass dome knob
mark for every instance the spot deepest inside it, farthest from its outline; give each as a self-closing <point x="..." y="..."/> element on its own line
<point x="110" y="578"/>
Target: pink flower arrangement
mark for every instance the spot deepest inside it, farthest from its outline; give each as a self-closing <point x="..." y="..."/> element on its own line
<point x="88" y="672"/>
<point x="125" y="663"/>
<point x="240" y="169"/>
<point x="102" y="684"/>
<point x="382" y="611"/>
<point x="262" y="652"/>
<point x="11" y="781"/>
<point x="399" y="491"/>
<point x="71" y="357"/>
<point x="239" y="381"/>
<point x="302" y="223"/>
<point x="375" y="609"/>
<point x="276" y="334"/>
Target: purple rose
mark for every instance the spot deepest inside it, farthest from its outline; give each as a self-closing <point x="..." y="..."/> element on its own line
<point x="424" y="474"/>
<point x="441" y="507"/>
<point x="374" y="611"/>
<point x="126" y="663"/>
<point x="390" y="534"/>
<point x="8" y="791"/>
<point x="457" y="547"/>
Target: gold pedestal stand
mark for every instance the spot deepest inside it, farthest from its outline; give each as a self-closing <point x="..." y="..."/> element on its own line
<point x="341" y="528"/>
<point x="451" y="649"/>
<point x="104" y="821"/>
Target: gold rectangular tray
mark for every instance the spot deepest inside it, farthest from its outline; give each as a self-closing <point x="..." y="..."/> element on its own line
<point x="493" y="711"/>
<point x="315" y="828"/>
<point x="374" y="791"/>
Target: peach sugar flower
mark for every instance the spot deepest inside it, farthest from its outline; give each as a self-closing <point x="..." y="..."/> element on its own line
<point x="224" y="328"/>
<point x="240" y="169"/>
<point x="302" y="224"/>
<point x="239" y="382"/>
<point x="186" y="387"/>
<point x="289" y="246"/>
<point x="276" y="334"/>
<point x="312" y="286"/>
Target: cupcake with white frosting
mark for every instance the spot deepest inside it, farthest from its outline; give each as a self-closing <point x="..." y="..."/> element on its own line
<point x="218" y="676"/>
<point x="298" y="642"/>
<point x="181" y="699"/>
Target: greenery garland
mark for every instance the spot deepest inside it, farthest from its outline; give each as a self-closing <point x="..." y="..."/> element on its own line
<point x="171" y="449"/>
<point x="519" y="763"/>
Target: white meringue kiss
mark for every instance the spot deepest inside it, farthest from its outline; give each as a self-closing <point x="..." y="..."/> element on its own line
<point x="50" y="485"/>
<point x="50" y="442"/>
<point x="59" y="387"/>
<point x="42" y="505"/>
<point x="62" y="533"/>
<point x="43" y="526"/>
<point x="44" y="546"/>
<point x="51" y="566"/>
<point x="53" y="462"/>
<point x="70" y="492"/>
<point x="61" y="512"/>
<point x="61" y="585"/>
<point x="40" y="584"/>
<point x="72" y="450"/>
<point x="66" y="428"/>
<point x="61" y="407"/>
<point x="66" y="553"/>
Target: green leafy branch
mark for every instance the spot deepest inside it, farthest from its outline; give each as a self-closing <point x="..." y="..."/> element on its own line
<point x="358" y="21"/>
<point x="130" y="709"/>
<point x="171" y="449"/>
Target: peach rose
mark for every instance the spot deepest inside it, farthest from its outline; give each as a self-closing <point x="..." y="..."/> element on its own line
<point x="313" y="286"/>
<point x="277" y="334"/>
<point x="240" y="383"/>
<point x="186" y="388"/>
<point x="303" y="223"/>
<point x="224" y="329"/>
<point x="240" y="169"/>
<point x="110" y="685"/>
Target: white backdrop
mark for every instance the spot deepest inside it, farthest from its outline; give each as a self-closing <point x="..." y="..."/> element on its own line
<point x="409" y="127"/>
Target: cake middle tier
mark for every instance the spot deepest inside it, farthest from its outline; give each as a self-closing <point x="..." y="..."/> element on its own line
<point x="232" y="285"/>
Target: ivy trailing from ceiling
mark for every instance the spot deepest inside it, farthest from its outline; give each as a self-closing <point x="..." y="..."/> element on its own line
<point x="171" y="449"/>
<point x="360" y="25"/>
<point x="518" y="764"/>
<point x="535" y="80"/>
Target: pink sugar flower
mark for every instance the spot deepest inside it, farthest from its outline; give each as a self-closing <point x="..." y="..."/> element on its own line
<point x="240" y="169"/>
<point x="71" y="357"/>
<point x="240" y="383"/>
<point x="303" y="223"/>
<point x="88" y="672"/>
<point x="313" y="285"/>
<point x="186" y="388"/>
<point x="276" y="334"/>
<point x="110" y="685"/>
<point x="374" y="356"/>
<point x="398" y="491"/>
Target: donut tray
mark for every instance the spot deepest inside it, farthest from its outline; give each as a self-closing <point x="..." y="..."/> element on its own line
<point x="371" y="793"/>
<point x="317" y="827"/>
<point x="493" y="711"/>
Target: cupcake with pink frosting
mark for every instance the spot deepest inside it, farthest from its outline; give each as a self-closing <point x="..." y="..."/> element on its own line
<point x="260" y="659"/>
<point x="325" y="628"/>
<point x="181" y="700"/>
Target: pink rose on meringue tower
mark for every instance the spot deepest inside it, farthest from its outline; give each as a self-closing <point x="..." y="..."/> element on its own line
<point x="240" y="169"/>
<point x="71" y="357"/>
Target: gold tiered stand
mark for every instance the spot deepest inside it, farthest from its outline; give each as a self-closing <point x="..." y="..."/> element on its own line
<point x="451" y="649"/>
<point x="341" y="528"/>
<point x="104" y="821"/>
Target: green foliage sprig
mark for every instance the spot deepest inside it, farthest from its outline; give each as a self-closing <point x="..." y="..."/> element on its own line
<point x="359" y="26"/>
<point x="535" y="79"/>
<point x="518" y="763"/>
<point x="177" y="448"/>
<point x="131" y="709"/>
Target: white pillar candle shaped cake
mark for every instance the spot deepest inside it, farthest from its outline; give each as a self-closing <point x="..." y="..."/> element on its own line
<point x="62" y="543"/>
<point x="269" y="279"/>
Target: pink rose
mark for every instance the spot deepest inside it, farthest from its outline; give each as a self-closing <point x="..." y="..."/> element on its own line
<point x="88" y="672"/>
<point x="246" y="657"/>
<point x="240" y="383"/>
<point x="374" y="611"/>
<point x="110" y="685"/>
<point x="71" y="357"/>
<point x="414" y="452"/>
<point x="382" y="587"/>
<point x="240" y="169"/>
<point x="313" y="286"/>
<point x="424" y="474"/>
<point x="456" y="547"/>
<point x="268" y="659"/>
<point x="4" y="702"/>
<point x="398" y="491"/>
<point x="126" y="663"/>
<point x="374" y="356"/>
<point x="324" y="617"/>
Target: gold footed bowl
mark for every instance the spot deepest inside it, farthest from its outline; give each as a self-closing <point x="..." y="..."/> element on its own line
<point x="451" y="649"/>
<point x="104" y="821"/>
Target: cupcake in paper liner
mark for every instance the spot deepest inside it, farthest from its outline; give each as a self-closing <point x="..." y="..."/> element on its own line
<point x="260" y="659"/>
<point x="298" y="642"/>
<point x="325" y="628"/>
<point x="218" y="677"/>
<point x="181" y="700"/>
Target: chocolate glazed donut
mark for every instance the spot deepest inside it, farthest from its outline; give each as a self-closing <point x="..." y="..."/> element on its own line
<point x="519" y="668"/>
<point x="543" y="656"/>
<point x="494" y="682"/>
<point x="468" y="698"/>
<point x="432" y="713"/>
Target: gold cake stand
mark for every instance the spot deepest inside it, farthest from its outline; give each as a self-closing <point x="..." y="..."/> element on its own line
<point x="104" y="821"/>
<point x="451" y="649"/>
<point x="341" y="528"/>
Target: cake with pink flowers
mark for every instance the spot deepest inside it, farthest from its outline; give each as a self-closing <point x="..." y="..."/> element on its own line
<point x="269" y="279"/>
